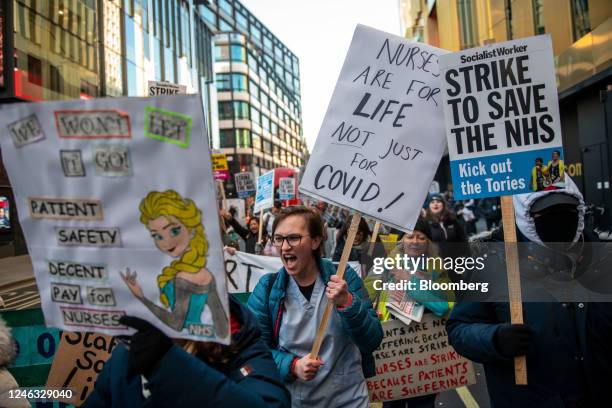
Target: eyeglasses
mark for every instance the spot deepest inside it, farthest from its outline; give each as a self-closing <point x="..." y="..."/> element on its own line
<point x="292" y="240"/>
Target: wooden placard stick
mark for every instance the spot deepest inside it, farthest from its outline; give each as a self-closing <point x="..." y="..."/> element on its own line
<point x="514" y="281"/>
<point x="260" y="236"/>
<point x="348" y="245"/>
<point x="373" y="238"/>
<point x="223" y="205"/>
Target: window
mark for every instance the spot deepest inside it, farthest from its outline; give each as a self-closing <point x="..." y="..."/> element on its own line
<point x="256" y="32"/>
<point x="264" y="100"/>
<point x="225" y="26"/>
<point x="580" y="18"/>
<point x="221" y="53"/>
<point x="223" y="82"/>
<point x="238" y="53"/>
<point x="241" y="110"/>
<point x="273" y="128"/>
<point x="265" y="123"/>
<point x="55" y="79"/>
<point x="239" y="82"/>
<point x="34" y="70"/>
<point x="208" y="15"/>
<point x="276" y="151"/>
<point x="256" y="140"/>
<point x="255" y="116"/>
<point x="227" y="138"/>
<point x="243" y="138"/>
<point x="253" y="89"/>
<point x="226" y="7"/>
<point x="267" y="146"/>
<point x="252" y="63"/>
<point x="226" y="110"/>
<point x="267" y="44"/>
<point x="242" y="21"/>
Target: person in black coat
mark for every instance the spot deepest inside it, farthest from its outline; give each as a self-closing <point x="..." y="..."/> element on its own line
<point x="446" y="230"/>
<point x="155" y="372"/>
<point x="566" y="344"/>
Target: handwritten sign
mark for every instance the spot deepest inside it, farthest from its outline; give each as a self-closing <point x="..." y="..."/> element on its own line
<point x="383" y="123"/>
<point x="117" y="202"/>
<point x="264" y="196"/>
<point x="502" y="118"/>
<point x="78" y="361"/>
<point x="220" y="167"/>
<point x="286" y="188"/>
<point x="245" y="184"/>
<point x="417" y="360"/>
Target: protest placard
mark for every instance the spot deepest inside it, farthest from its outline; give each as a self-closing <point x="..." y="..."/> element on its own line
<point x="220" y="167"/>
<point x="117" y="203"/>
<point x="264" y="197"/>
<point x="245" y="184"/>
<point x="502" y="118"/>
<point x="77" y="363"/>
<point x="417" y="360"/>
<point x="383" y="124"/>
<point x="244" y="270"/>
<point x="286" y="188"/>
<point x="159" y="88"/>
<point x="239" y="205"/>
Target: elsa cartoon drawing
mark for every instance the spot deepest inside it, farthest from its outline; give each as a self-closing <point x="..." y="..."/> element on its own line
<point x="186" y="287"/>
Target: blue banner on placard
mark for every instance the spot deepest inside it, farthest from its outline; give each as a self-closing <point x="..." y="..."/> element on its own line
<point x="508" y="174"/>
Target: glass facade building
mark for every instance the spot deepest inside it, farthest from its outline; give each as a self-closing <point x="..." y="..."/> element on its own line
<point x="258" y="91"/>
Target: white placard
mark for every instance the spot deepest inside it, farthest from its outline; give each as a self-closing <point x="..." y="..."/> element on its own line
<point x="383" y="135"/>
<point x="502" y="118"/>
<point x="264" y="196"/>
<point x="161" y="88"/>
<point x="120" y="187"/>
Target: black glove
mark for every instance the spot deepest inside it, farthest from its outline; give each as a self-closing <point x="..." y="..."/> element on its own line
<point x="513" y="340"/>
<point x="147" y="346"/>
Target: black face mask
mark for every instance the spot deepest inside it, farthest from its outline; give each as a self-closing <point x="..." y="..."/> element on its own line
<point x="557" y="223"/>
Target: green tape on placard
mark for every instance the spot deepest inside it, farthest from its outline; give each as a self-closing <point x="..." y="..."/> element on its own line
<point x="167" y="126"/>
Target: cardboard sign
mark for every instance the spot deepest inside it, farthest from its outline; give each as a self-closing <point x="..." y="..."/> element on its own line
<point x="245" y="184"/>
<point x="159" y="88"/>
<point x="118" y="231"/>
<point x="78" y="361"/>
<point x="220" y="167"/>
<point x="383" y="125"/>
<point x="286" y="188"/>
<point x="244" y="270"/>
<point x="417" y="360"/>
<point x="502" y="119"/>
<point x="239" y="205"/>
<point x="264" y="196"/>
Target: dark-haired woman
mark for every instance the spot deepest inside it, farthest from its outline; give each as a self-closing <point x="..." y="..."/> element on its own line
<point x="156" y="371"/>
<point x="446" y="230"/>
<point x="289" y="306"/>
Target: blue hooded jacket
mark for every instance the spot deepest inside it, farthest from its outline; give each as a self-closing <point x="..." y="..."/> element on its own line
<point x="359" y="320"/>
<point x="180" y="379"/>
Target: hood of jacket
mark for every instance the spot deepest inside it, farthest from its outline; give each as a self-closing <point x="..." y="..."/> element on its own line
<point x="7" y="346"/>
<point x="522" y="210"/>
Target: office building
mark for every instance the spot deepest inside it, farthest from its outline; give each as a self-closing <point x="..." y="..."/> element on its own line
<point x="258" y="92"/>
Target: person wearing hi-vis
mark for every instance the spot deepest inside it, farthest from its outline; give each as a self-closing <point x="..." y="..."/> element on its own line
<point x="289" y="306"/>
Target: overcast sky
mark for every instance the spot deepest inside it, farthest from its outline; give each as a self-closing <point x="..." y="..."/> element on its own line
<point x="319" y="33"/>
